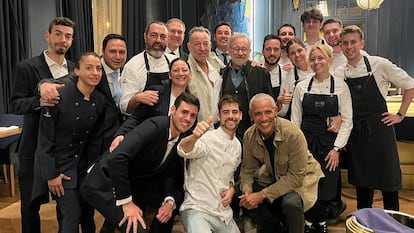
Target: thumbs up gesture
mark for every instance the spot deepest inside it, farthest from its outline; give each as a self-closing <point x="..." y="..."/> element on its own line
<point x="202" y="127"/>
<point x="286" y="97"/>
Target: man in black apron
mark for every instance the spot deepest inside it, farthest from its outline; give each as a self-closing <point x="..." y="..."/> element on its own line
<point x="373" y="156"/>
<point x="272" y="50"/>
<point x="145" y="69"/>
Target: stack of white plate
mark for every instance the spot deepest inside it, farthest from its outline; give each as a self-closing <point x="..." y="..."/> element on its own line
<point x="353" y="226"/>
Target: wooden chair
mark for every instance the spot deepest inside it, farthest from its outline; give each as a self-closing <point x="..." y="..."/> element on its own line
<point x="8" y="149"/>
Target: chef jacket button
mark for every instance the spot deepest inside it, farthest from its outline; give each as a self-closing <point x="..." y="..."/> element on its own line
<point x="93" y="104"/>
<point x="76" y="104"/>
<point x="77" y="118"/>
<point x="76" y="156"/>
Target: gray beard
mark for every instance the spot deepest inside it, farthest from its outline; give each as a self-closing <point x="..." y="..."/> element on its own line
<point x="155" y="53"/>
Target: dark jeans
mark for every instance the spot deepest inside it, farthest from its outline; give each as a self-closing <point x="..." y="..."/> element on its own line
<point x="365" y="197"/>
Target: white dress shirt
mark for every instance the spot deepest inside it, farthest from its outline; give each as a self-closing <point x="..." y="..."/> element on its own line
<point x="383" y="70"/>
<point x="57" y="70"/>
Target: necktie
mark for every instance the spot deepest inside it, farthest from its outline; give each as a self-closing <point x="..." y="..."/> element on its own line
<point x="172" y="53"/>
<point x="116" y="87"/>
<point x="225" y="58"/>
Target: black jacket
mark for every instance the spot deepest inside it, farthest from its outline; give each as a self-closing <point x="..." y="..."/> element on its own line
<point x="25" y="99"/>
<point x="70" y="138"/>
<point x="257" y="80"/>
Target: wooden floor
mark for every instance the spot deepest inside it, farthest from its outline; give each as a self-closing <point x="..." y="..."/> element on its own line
<point x="406" y="205"/>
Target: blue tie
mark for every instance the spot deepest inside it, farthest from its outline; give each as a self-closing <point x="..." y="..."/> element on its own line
<point x="116" y="87"/>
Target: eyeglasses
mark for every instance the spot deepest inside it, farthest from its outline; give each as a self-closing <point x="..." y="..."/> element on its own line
<point x="243" y="50"/>
<point x="154" y="35"/>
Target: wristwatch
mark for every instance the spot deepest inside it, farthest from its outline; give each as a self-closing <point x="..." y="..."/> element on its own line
<point x="400" y="115"/>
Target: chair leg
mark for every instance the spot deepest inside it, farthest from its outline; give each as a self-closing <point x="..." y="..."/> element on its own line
<point x="5" y="174"/>
<point x="12" y="182"/>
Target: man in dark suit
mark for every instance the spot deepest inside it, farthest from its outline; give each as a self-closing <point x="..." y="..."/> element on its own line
<point x="142" y="171"/>
<point x="29" y="95"/>
<point x="114" y="54"/>
<point x="176" y="34"/>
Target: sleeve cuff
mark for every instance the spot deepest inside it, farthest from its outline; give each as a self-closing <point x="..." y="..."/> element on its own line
<point x="123" y="201"/>
<point x="170" y="200"/>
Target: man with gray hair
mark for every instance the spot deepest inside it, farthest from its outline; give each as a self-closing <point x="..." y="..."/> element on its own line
<point x="176" y="34"/>
<point x="205" y="82"/>
<point x="287" y="182"/>
<point x="150" y="67"/>
<point x="243" y="80"/>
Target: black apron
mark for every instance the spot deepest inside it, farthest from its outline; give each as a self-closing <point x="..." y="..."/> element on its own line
<point x="316" y="109"/>
<point x="289" y="111"/>
<point x="155" y="78"/>
<point x="373" y="156"/>
<point x="276" y="90"/>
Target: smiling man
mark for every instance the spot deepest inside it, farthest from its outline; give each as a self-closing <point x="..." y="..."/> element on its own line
<point x="143" y="172"/>
<point x="213" y="158"/>
<point x="176" y="34"/>
<point x="243" y="80"/>
<point x="287" y="182"/>
<point x="222" y="33"/>
<point x="147" y="68"/>
<point x="205" y="67"/>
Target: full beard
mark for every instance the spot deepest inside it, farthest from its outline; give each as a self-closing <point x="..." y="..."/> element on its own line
<point x="271" y="63"/>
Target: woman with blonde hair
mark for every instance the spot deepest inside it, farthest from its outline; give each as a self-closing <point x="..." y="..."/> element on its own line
<point x="315" y="101"/>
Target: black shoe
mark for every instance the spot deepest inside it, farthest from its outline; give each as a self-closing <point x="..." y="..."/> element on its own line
<point x="322" y="228"/>
<point x="334" y="211"/>
<point x="310" y="229"/>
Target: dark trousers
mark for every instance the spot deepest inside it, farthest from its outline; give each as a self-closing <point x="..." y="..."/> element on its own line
<point x="29" y="210"/>
<point x="74" y="211"/>
<point x="365" y="197"/>
<point x="316" y="214"/>
<point x="287" y="209"/>
<point x="114" y="214"/>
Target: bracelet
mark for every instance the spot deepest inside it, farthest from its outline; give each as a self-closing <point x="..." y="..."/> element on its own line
<point x="400" y="115"/>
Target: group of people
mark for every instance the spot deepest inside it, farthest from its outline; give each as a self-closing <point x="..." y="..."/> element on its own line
<point x="210" y="135"/>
